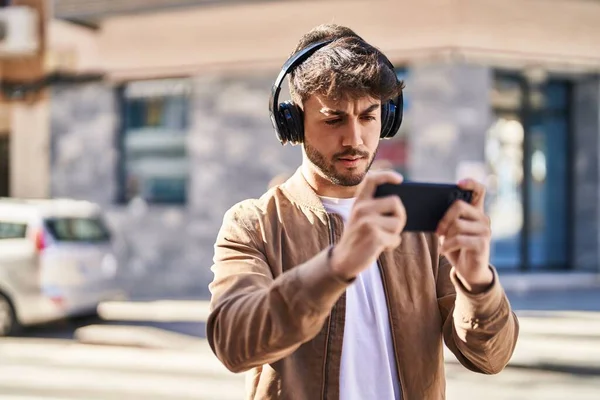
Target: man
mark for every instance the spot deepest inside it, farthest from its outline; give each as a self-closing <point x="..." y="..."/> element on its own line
<point x="317" y="292"/>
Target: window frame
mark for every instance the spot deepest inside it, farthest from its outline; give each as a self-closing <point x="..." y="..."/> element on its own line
<point x="122" y="127"/>
<point x="527" y="112"/>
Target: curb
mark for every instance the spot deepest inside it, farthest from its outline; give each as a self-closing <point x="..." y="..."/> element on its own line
<point x="137" y="336"/>
<point x="549" y="281"/>
<point x="155" y="311"/>
<point x="159" y="339"/>
<point x="568" y="369"/>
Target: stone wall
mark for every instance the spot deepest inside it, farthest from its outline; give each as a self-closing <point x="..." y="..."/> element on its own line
<point x="449" y="116"/>
<point x="83" y="154"/>
<point x="586" y="124"/>
<point x="233" y="154"/>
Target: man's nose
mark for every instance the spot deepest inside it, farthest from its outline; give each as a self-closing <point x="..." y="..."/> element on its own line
<point x="353" y="134"/>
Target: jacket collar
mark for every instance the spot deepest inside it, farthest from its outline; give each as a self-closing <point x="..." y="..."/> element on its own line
<point x="300" y="192"/>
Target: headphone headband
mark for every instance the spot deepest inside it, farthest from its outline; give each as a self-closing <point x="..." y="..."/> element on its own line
<point x="289" y="65"/>
<point x="290" y="113"/>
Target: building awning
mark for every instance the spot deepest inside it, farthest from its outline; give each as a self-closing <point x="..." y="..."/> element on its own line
<point x="246" y="35"/>
<point x="96" y="10"/>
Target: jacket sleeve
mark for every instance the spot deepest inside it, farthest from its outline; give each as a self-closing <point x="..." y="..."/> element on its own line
<point x="480" y="329"/>
<point x="255" y="318"/>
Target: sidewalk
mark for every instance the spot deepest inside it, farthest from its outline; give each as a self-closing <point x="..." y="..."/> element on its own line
<point x="554" y="342"/>
<point x="559" y="329"/>
<point x="559" y="316"/>
<point x="567" y="342"/>
<point x="180" y="287"/>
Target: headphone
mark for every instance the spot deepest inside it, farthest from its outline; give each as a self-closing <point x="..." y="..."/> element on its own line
<point x="288" y="120"/>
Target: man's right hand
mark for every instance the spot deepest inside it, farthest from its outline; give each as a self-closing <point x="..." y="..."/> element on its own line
<point x="374" y="226"/>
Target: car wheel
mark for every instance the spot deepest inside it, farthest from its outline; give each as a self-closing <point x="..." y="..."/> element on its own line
<point x="8" y="318"/>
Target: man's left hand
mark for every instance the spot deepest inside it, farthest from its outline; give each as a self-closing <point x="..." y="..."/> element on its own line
<point x="465" y="234"/>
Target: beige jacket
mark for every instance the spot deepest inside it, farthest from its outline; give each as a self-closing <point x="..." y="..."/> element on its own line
<point x="277" y="311"/>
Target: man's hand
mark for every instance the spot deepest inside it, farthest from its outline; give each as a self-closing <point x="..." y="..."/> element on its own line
<point x="374" y="226"/>
<point x="465" y="233"/>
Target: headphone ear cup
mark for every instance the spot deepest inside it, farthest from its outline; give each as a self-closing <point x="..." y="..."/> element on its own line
<point x="397" y="109"/>
<point x="386" y="118"/>
<point x="283" y="131"/>
<point x="289" y="122"/>
<point x="293" y="122"/>
<point x="297" y="120"/>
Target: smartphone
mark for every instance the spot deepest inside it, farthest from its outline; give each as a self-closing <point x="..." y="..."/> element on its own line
<point x="425" y="203"/>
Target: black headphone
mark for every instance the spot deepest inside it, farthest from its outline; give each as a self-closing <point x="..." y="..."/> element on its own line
<point x="287" y="118"/>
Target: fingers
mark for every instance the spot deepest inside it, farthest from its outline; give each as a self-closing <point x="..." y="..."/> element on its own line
<point x="374" y="179"/>
<point x="458" y="210"/>
<point x="478" y="191"/>
<point x="379" y="229"/>
<point x="467" y="227"/>
<point x="381" y="219"/>
<point x="390" y="240"/>
<point x="391" y="225"/>
<point x="476" y="243"/>
<point x="389" y="205"/>
<point x="464" y="227"/>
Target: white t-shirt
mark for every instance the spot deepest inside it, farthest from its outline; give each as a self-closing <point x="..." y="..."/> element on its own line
<point x="368" y="369"/>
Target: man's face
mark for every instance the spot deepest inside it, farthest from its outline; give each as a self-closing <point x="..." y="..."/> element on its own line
<point x="341" y="137"/>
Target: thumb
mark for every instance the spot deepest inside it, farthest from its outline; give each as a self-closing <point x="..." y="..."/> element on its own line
<point x="441" y="241"/>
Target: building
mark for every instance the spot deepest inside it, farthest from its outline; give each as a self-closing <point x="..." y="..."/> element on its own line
<point x="174" y="129"/>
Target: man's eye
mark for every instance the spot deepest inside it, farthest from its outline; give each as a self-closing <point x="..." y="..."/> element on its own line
<point x="333" y="121"/>
<point x="369" y="118"/>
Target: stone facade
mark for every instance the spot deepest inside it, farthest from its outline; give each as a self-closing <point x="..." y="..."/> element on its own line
<point x="450" y="113"/>
<point x="586" y="118"/>
<point x="83" y="153"/>
<point x="233" y="154"/>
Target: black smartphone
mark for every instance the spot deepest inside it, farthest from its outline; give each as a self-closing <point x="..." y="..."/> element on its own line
<point x="425" y="203"/>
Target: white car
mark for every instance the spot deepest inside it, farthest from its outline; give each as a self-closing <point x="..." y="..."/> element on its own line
<point x="56" y="261"/>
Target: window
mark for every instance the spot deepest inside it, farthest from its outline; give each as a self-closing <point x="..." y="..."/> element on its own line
<point x="78" y="229"/>
<point x="154" y="163"/>
<point x="11" y="230"/>
<point x="528" y="156"/>
<point x="548" y="177"/>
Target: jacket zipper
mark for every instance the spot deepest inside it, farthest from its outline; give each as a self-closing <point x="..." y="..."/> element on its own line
<point x="330" y="325"/>
<point x="387" y="301"/>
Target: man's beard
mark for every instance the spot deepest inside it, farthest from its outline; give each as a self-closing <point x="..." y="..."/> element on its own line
<point x="328" y="169"/>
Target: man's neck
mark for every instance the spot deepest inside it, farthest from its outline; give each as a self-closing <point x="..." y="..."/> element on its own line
<point x="324" y="187"/>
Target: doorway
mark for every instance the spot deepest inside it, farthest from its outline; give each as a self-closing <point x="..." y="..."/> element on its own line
<point x="528" y="153"/>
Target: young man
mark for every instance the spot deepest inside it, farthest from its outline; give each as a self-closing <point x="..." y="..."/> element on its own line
<point x="318" y="292"/>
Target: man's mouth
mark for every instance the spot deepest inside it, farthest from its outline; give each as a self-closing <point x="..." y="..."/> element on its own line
<point x="350" y="158"/>
<point x="350" y="162"/>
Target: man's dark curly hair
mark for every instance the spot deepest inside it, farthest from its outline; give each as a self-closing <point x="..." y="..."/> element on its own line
<point x="347" y="68"/>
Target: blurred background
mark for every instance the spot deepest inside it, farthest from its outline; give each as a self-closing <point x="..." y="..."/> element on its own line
<point x="128" y="128"/>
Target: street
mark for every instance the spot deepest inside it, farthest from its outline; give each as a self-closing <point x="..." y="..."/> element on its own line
<point x="66" y="329"/>
<point x="53" y="369"/>
<point x="519" y="384"/>
<point x="558" y="357"/>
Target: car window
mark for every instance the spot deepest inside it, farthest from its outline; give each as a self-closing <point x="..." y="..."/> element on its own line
<point x="77" y="229"/>
<point x="11" y="230"/>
